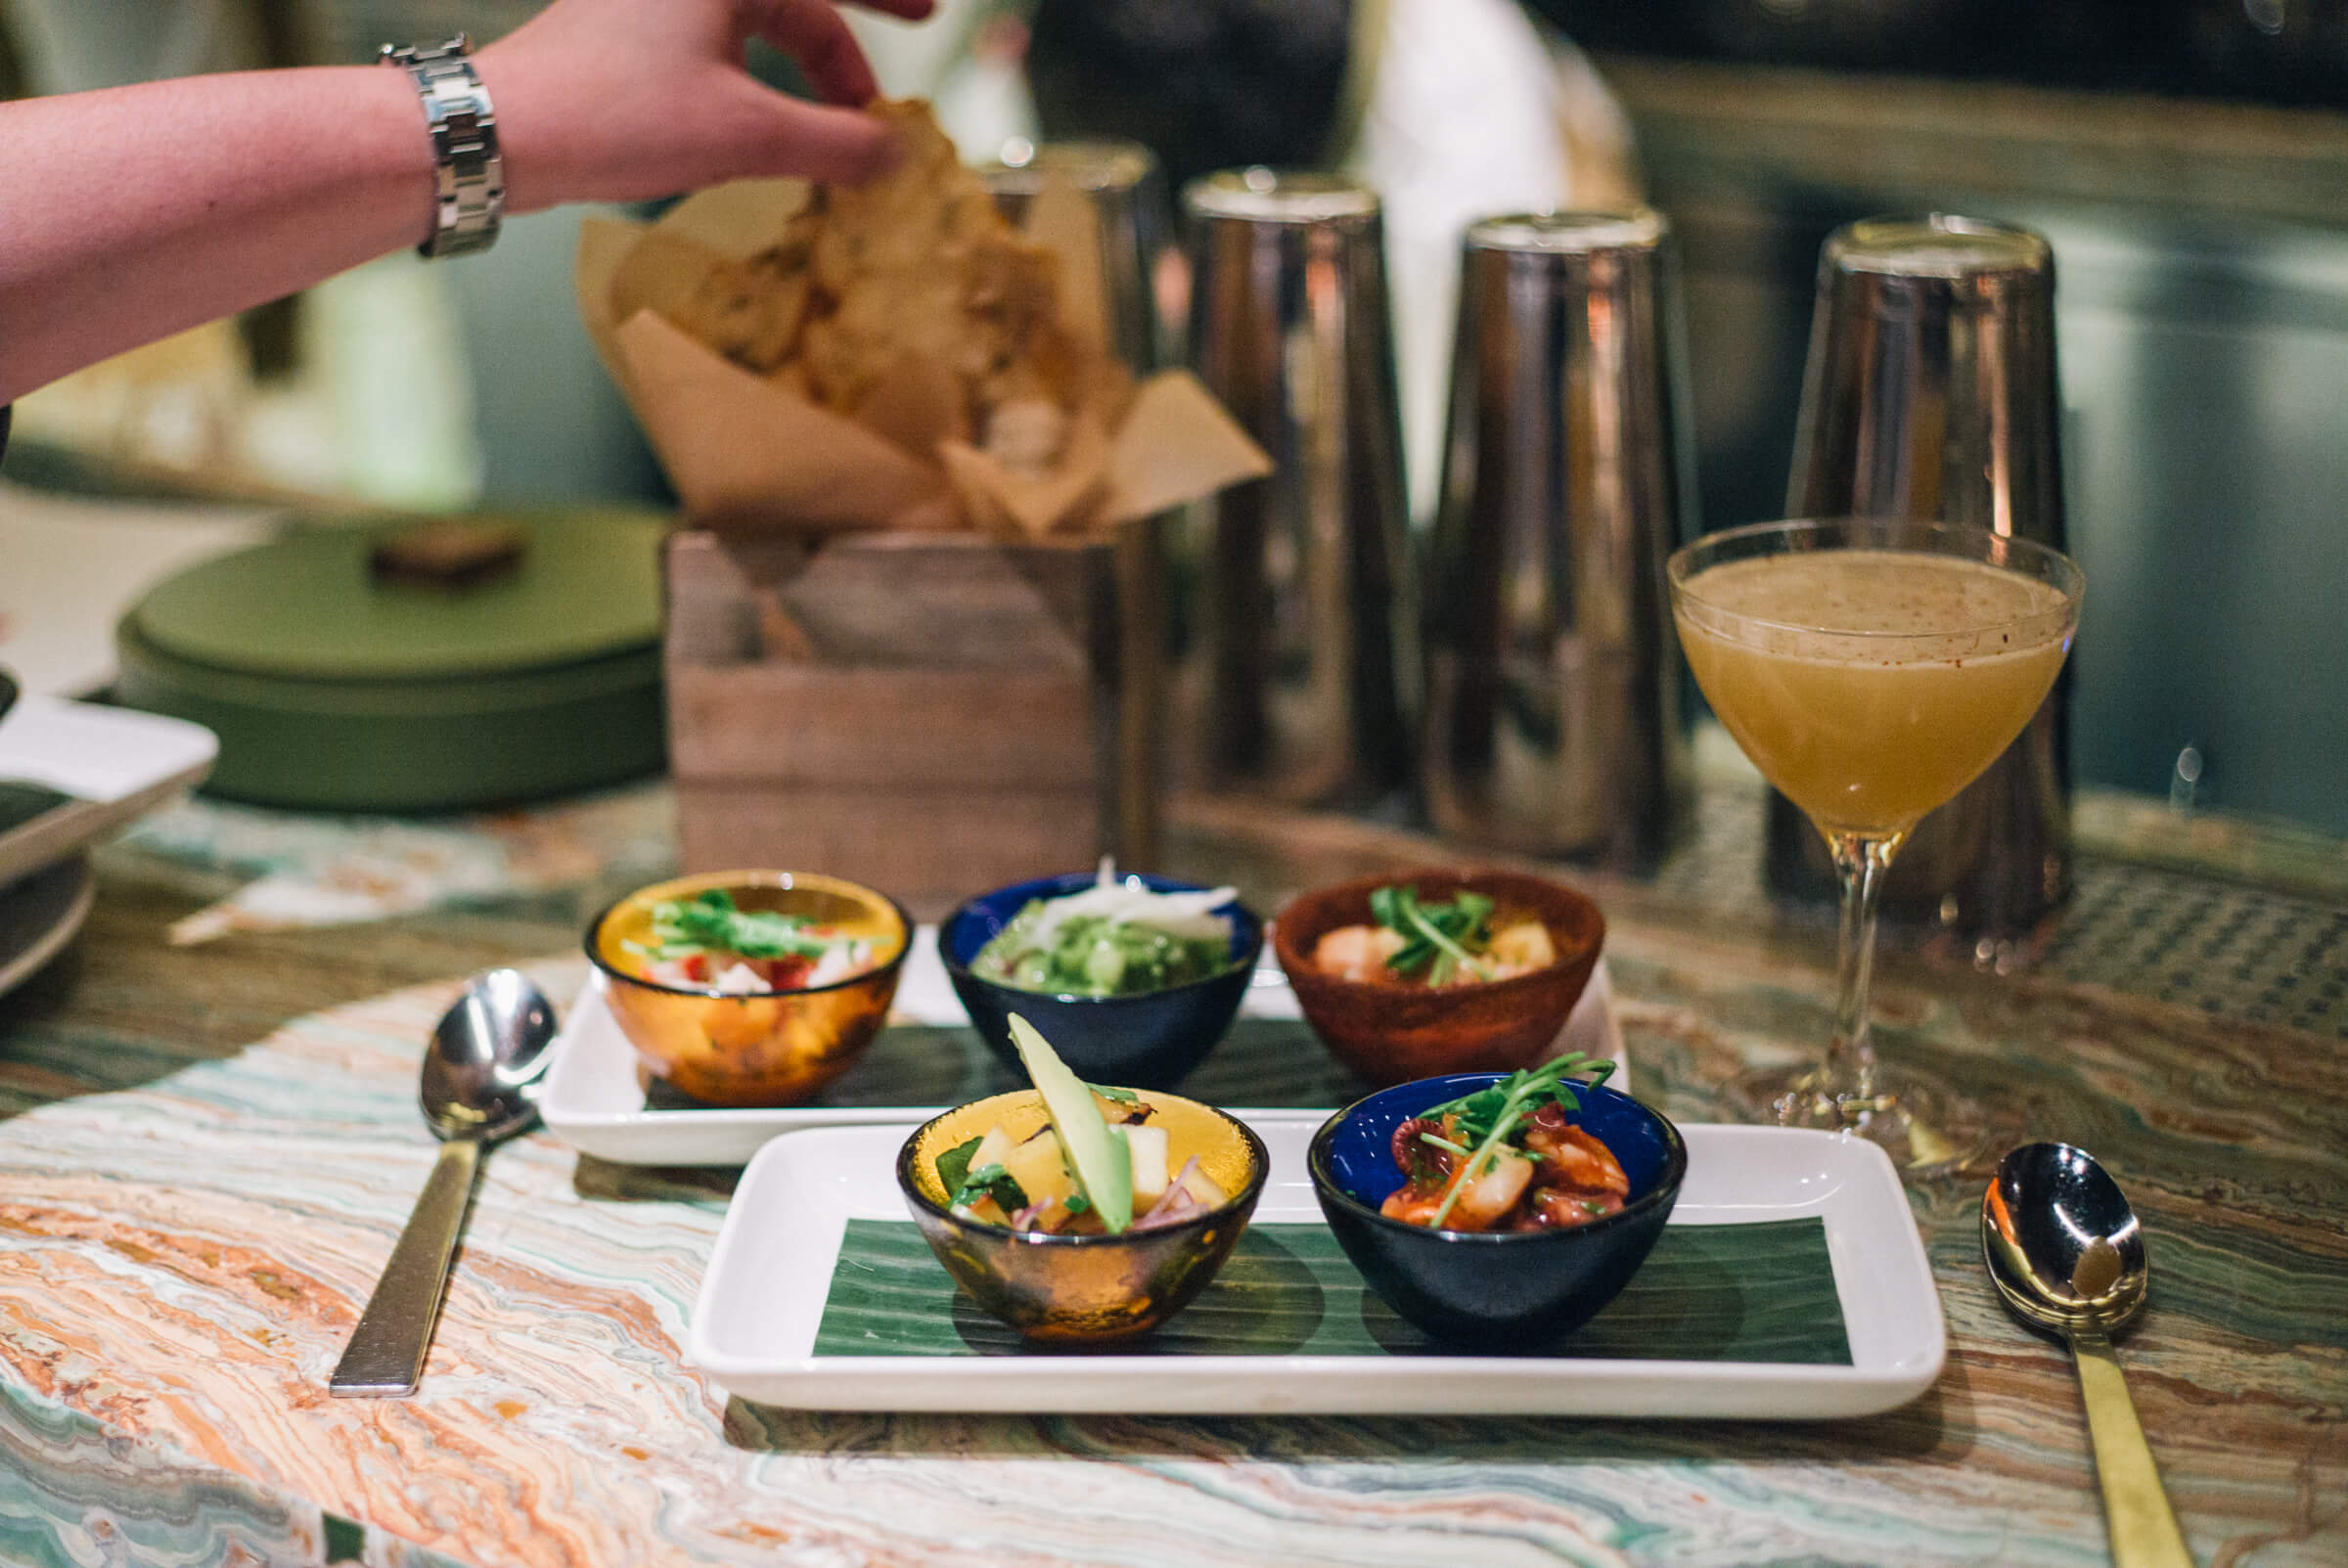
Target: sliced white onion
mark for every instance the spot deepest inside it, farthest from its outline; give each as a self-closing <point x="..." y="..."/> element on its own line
<point x="1190" y="915"/>
<point x="741" y="979"/>
<point x="839" y="961"/>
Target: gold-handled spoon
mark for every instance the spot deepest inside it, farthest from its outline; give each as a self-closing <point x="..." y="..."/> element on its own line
<point x="479" y="1085"/>
<point x="2066" y="1253"/>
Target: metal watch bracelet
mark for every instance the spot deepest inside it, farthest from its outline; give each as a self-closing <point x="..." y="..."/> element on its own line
<point x="469" y="175"/>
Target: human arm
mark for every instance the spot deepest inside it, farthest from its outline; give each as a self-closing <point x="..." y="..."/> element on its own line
<point x="134" y="213"/>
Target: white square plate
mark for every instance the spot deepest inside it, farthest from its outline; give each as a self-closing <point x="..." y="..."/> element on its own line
<point x="595" y="1101"/>
<point x="762" y="1300"/>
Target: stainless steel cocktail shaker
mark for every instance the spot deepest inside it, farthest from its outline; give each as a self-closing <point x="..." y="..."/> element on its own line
<point x="1552" y="673"/>
<point x="1300" y="634"/>
<point x="1122" y="184"/>
<point x="1930" y="392"/>
<point x="1128" y="197"/>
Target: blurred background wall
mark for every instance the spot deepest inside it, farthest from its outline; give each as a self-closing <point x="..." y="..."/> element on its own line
<point x="2187" y="157"/>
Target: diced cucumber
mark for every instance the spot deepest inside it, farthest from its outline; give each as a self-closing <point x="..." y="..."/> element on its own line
<point x="1103" y="1166"/>
<point x="993" y="1149"/>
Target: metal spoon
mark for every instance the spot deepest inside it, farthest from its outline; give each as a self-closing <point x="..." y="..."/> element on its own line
<point x="2063" y="1247"/>
<point x="479" y="1079"/>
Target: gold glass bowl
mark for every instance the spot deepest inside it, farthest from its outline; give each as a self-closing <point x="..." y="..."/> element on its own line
<point x="768" y="1048"/>
<point x="1083" y="1290"/>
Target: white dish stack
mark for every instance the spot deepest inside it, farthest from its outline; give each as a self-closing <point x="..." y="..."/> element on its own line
<point x="70" y="773"/>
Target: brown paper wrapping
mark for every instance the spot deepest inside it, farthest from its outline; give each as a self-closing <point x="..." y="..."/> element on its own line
<point x="746" y="452"/>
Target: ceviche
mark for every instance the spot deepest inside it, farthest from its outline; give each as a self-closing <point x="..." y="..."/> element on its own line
<point x="1113" y="938"/>
<point x="1467" y="941"/>
<point x="1509" y="1157"/>
<point x="709" y="941"/>
<point x="1098" y="1166"/>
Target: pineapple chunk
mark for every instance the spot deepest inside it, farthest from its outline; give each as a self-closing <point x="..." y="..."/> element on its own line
<point x="1202" y="1187"/>
<point x="992" y="1150"/>
<point x="1039" y="1168"/>
<point x="1148" y="1146"/>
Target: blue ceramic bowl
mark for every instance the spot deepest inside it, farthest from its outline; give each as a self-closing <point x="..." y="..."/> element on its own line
<point x="1146" y="1041"/>
<point x="1493" y="1291"/>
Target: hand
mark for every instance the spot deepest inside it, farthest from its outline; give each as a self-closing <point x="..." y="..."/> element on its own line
<point x="622" y="100"/>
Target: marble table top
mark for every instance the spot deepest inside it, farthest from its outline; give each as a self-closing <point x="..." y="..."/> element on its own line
<point x="200" y="1176"/>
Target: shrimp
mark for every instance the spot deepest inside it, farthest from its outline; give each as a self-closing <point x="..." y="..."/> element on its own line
<point x="1356" y="952"/>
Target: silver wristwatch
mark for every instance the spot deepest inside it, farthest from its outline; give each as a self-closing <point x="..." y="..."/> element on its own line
<point x="469" y="175"/>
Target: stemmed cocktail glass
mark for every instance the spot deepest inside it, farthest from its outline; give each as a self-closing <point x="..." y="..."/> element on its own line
<point x="1871" y="668"/>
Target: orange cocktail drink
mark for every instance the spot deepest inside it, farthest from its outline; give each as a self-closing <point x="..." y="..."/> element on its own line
<point x="1863" y="683"/>
<point x="1871" y="669"/>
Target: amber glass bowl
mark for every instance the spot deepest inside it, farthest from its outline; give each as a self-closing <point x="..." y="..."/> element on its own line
<point x="1083" y="1290"/>
<point x="768" y="1049"/>
<point x="1392" y="1031"/>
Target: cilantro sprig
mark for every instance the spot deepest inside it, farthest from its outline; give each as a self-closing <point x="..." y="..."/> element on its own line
<point x="988" y="1181"/>
<point x="1490" y="1114"/>
<point x="1436" y="937"/>
<point x="709" y="921"/>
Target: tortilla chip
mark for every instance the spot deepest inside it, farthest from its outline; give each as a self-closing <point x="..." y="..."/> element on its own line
<point x="894" y="354"/>
<point x="917" y="264"/>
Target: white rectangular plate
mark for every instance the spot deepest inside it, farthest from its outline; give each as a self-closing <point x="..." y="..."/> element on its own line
<point x="594" y="1099"/>
<point x="755" y="1324"/>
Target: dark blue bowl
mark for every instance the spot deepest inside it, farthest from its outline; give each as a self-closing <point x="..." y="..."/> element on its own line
<point x="1149" y="1040"/>
<point x="1493" y="1291"/>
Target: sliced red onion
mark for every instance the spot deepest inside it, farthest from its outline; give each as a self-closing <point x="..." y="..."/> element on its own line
<point x="1175" y="1203"/>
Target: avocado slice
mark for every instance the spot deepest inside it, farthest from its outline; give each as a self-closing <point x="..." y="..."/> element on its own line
<point x="1101" y="1164"/>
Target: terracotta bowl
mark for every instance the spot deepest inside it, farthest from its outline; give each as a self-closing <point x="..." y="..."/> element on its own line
<point x="1392" y="1031"/>
<point x="1083" y="1290"/>
<point x="770" y="1048"/>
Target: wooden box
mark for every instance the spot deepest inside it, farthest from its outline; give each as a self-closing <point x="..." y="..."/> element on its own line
<point x="932" y="714"/>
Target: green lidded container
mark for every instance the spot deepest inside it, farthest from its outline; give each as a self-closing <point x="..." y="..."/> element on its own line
<point x="334" y="688"/>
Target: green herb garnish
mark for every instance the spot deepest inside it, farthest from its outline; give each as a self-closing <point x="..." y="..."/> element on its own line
<point x="1491" y="1114"/>
<point x="1077" y="1203"/>
<point x="711" y="922"/>
<point x="1436" y="937"/>
<point x="954" y="1165"/>
<point x="990" y="1181"/>
<point x="1121" y="1097"/>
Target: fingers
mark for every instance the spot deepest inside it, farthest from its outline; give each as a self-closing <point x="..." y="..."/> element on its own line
<point x="824" y="143"/>
<point x="812" y="32"/>
<point x="910" y="10"/>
